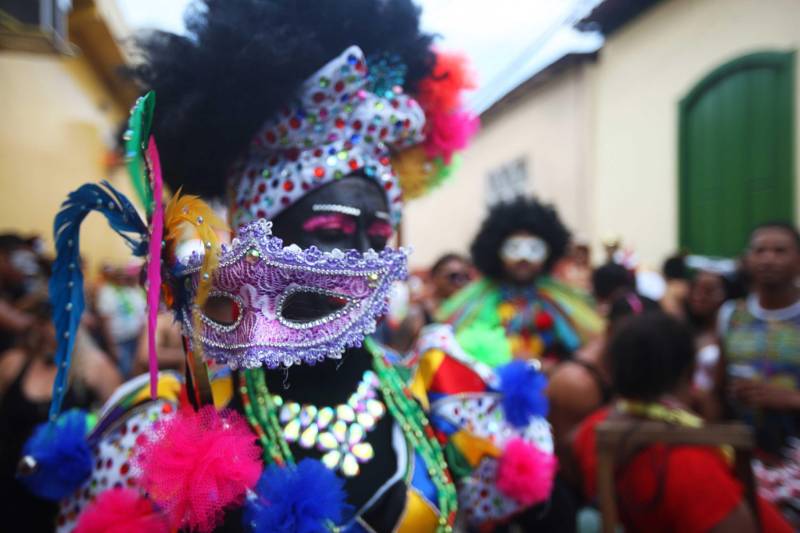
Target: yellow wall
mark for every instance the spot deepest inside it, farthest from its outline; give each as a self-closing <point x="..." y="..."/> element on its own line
<point x="643" y="72"/>
<point x="57" y="124"/>
<point x="548" y="127"/>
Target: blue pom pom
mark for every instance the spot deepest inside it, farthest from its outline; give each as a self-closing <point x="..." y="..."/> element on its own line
<point x="61" y="458"/>
<point x="522" y="387"/>
<point x="296" y="499"/>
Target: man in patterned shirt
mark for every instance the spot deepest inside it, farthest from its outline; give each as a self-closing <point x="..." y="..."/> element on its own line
<point x="761" y="341"/>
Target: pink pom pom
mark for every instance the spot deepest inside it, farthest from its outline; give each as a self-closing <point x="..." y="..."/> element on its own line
<point x="525" y="473"/>
<point x="198" y="463"/>
<point x="121" y="511"/>
<point x="448" y="133"/>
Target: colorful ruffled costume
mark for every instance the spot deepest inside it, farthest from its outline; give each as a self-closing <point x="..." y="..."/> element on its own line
<point x="495" y="323"/>
<point x="492" y="423"/>
<point x="188" y="452"/>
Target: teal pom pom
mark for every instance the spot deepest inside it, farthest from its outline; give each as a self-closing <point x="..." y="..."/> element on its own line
<point x="57" y="459"/>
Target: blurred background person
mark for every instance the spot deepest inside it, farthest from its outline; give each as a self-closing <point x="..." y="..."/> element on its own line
<point x="575" y="269"/>
<point x="676" y="276"/>
<point x="26" y="381"/>
<point x="121" y="303"/>
<point x="414" y="303"/>
<point x="666" y="488"/>
<point x="611" y="247"/>
<point x="169" y="346"/>
<point x="15" y="270"/>
<point x="448" y="275"/>
<point x="582" y="385"/>
<point x="611" y="282"/>
<point x="97" y="325"/>
<point x="708" y="290"/>
<point x="761" y="341"/>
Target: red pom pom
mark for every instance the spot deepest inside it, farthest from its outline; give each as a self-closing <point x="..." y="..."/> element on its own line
<point x="198" y="463"/>
<point x="121" y="511"/>
<point x="441" y="91"/>
<point x="525" y="473"/>
<point x="543" y="321"/>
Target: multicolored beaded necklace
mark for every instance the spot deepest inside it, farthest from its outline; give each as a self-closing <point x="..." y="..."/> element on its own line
<point x="263" y="414"/>
<point x="671" y="415"/>
<point x="660" y="412"/>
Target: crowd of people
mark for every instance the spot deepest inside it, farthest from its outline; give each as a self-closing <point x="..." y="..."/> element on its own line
<point x="109" y="349"/>
<point x="277" y="371"/>
<point x="716" y="345"/>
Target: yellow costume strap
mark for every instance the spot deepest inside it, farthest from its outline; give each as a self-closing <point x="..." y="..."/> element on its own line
<point x="419" y="515"/>
<point x="429" y="363"/>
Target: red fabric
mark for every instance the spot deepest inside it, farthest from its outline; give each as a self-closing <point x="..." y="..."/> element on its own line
<point x="680" y="489"/>
<point x="452" y="377"/>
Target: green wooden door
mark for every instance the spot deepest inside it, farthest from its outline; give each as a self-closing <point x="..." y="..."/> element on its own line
<point x="736" y="164"/>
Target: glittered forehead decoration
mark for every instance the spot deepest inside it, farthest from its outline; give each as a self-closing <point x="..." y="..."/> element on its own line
<point x="338" y="126"/>
<point x="258" y="275"/>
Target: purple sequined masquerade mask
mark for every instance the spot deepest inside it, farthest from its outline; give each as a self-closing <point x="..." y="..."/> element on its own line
<point x="259" y="275"/>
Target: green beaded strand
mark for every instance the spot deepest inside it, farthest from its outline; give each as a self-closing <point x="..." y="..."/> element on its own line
<point x="414" y="422"/>
<point x="404" y="409"/>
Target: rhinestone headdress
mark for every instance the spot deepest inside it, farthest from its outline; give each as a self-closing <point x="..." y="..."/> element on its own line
<point x="337" y="127"/>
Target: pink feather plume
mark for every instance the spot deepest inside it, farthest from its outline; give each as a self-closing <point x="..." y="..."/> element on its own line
<point x="154" y="264"/>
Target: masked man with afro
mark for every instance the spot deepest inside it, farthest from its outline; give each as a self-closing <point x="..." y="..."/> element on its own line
<point x="517" y="311"/>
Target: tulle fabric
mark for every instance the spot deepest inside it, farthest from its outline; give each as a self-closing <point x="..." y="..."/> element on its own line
<point x="525" y="473"/>
<point x="196" y="464"/>
<point x="121" y="511"/>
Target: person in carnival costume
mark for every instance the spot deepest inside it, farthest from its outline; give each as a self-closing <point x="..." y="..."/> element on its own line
<point x="517" y="311"/>
<point x="302" y="114"/>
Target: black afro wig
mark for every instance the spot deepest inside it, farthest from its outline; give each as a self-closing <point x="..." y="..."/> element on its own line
<point x="242" y="60"/>
<point x="523" y="214"/>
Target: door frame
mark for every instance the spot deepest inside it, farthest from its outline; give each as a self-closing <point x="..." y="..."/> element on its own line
<point x="780" y="59"/>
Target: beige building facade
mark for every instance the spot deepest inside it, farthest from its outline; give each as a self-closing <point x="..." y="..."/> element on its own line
<point x="61" y="113"/>
<point x="644" y="71"/>
<point x="601" y="137"/>
<point x="543" y="125"/>
<point x="597" y="135"/>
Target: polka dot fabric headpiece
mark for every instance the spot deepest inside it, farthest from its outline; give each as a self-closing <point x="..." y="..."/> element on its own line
<point x="336" y="127"/>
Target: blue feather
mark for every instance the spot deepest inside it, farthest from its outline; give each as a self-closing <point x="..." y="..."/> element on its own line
<point x="62" y="455"/>
<point x="296" y="499"/>
<point x="66" y="282"/>
<point x="522" y="388"/>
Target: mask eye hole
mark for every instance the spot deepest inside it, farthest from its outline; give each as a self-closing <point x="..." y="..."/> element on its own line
<point x="222" y="310"/>
<point x="302" y="307"/>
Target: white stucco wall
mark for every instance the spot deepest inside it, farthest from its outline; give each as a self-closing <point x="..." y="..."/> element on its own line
<point x="547" y="127"/>
<point x="643" y="72"/>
